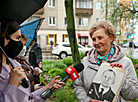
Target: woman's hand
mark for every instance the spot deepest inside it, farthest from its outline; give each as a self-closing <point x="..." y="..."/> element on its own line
<point x="92" y="100"/>
<point x="116" y="65"/>
<point x="40" y="64"/>
<point x="37" y="70"/>
<point x="53" y="83"/>
<point x="16" y="76"/>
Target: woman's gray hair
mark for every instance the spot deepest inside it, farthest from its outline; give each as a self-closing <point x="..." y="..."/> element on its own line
<point x="110" y="29"/>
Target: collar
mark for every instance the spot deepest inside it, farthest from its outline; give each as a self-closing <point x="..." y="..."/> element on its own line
<point x="32" y="45"/>
<point x="6" y="71"/>
<point x="105" y="89"/>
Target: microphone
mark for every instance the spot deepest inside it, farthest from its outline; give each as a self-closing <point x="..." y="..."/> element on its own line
<point x="71" y="72"/>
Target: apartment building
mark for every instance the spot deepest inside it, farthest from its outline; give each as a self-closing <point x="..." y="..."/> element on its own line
<point x="125" y="22"/>
<point x="86" y="12"/>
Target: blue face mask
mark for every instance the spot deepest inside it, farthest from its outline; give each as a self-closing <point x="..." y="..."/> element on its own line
<point x="13" y="48"/>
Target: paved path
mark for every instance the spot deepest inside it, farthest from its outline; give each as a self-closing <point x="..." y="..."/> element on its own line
<point x="46" y="54"/>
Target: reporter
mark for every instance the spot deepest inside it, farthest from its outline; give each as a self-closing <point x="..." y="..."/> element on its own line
<point x="29" y="70"/>
<point x="10" y="79"/>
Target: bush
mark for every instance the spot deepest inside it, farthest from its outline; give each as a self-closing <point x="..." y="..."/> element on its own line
<point x="56" y="68"/>
<point x="68" y="61"/>
<point x="55" y="72"/>
<point x="60" y="64"/>
<point x="64" y="95"/>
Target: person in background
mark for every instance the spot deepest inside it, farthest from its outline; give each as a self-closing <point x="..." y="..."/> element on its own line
<point x="103" y="34"/>
<point x="35" y="58"/>
<point x="51" y="43"/>
<point x="29" y="70"/>
<point x="11" y="89"/>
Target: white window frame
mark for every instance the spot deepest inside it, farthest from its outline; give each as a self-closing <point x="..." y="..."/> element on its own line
<point x="52" y="21"/>
<point x="98" y="5"/>
<point x="52" y="3"/>
<point x="84" y="4"/>
<point x="83" y="23"/>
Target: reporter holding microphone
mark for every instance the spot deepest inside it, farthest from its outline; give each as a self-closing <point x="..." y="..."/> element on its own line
<point x="14" y="85"/>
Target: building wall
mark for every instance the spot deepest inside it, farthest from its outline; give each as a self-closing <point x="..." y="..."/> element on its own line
<point x="59" y="12"/>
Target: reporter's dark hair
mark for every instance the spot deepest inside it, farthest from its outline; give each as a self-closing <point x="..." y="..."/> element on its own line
<point x="8" y="27"/>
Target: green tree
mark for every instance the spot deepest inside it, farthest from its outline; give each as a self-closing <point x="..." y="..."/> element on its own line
<point x="71" y="31"/>
<point x="120" y="13"/>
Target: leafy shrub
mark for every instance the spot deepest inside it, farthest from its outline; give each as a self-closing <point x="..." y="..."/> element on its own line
<point x="47" y="67"/>
<point x="82" y="55"/>
<point x="64" y="95"/>
<point x="55" y="72"/>
<point x="60" y="64"/>
<point x="68" y="61"/>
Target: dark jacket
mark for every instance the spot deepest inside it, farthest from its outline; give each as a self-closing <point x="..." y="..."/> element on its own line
<point x="94" y="88"/>
<point x="35" y="55"/>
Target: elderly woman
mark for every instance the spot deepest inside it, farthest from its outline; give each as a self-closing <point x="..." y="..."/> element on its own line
<point x="103" y="35"/>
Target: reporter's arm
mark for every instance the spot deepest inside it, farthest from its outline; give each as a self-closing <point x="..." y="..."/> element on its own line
<point x="53" y="83"/>
<point x="36" y="94"/>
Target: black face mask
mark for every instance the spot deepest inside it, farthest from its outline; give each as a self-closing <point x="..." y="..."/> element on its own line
<point x="13" y="48"/>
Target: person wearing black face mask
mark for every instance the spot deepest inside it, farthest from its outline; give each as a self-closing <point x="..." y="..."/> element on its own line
<point x="10" y="79"/>
<point x="29" y="70"/>
<point x="13" y="48"/>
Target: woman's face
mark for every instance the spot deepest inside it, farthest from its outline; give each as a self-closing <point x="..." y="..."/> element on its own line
<point x="101" y="41"/>
<point x="15" y="36"/>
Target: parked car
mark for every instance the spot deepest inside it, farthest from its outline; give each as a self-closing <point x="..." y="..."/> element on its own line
<point x="130" y="44"/>
<point x="125" y="45"/>
<point x="63" y="49"/>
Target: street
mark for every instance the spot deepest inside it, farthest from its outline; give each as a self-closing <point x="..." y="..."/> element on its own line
<point x="46" y="54"/>
<point x="134" y="54"/>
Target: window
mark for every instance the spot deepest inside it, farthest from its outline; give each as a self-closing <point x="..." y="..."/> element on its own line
<point x="66" y="45"/>
<point x="83" y="40"/>
<point x="65" y="38"/>
<point x="52" y="37"/>
<point x="52" y="21"/>
<point x="51" y="3"/>
<point x="84" y="4"/>
<point x="83" y="21"/>
<point x="65" y="20"/>
<point x="98" y="5"/>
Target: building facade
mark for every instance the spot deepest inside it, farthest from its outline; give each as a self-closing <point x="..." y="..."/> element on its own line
<point x="53" y="27"/>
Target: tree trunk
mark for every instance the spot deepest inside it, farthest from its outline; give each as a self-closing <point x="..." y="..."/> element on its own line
<point x="71" y="31"/>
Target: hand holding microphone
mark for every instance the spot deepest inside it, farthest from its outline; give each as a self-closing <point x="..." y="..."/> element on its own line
<point x="71" y="72"/>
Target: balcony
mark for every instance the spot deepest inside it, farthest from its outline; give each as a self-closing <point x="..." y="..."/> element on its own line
<point x="84" y="11"/>
<point x="41" y="11"/>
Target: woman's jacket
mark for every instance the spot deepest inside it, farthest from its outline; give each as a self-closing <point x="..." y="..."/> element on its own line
<point x="129" y="90"/>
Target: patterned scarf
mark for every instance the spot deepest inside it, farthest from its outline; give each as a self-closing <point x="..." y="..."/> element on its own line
<point x="99" y="58"/>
